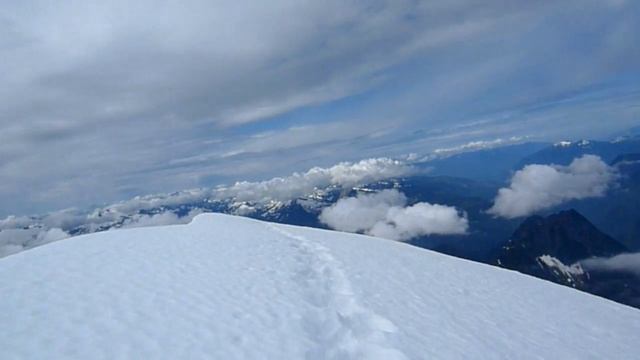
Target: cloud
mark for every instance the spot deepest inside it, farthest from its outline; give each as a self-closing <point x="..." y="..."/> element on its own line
<point x="13" y="241"/>
<point x="624" y="262"/>
<point x="125" y="97"/>
<point x="161" y="219"/>
<point x="385" y="214"/>
<point x="18" y="233"/>
<point x="361" y="213"/>
<point x="166" y="218"/>
<point x="538" y="187"/>
<point x="478" y="145"/>
<point x="344" y="174"/>
<point x="147" y="202"/>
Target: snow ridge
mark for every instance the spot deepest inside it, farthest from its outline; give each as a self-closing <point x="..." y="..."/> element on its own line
<point x="338" y="325"/>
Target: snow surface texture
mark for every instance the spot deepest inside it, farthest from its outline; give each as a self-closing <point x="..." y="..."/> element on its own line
<point x="226" y="287"/>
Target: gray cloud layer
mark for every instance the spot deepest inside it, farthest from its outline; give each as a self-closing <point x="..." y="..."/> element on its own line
<point x="105" y="100"/>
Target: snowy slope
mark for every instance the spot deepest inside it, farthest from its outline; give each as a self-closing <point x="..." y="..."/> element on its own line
<point x="226" y="287"/>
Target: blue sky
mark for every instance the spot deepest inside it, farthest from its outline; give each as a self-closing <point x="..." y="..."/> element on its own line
<point x="105" y="101"/>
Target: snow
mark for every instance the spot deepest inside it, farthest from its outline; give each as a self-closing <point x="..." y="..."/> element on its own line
<point x="581" y="143"/>
<point x="563" y="144"/>
<point x="226" y="287"/>
<point x="555" y="263"/>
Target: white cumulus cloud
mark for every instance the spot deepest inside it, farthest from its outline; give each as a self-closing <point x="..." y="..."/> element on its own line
<point x="538" y="187"/>
<point x="345" y="174"/>
<point x="386" y="214"/>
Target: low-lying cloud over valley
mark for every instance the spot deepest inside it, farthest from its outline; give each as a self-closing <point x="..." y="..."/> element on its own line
<point x="386" y="214"/>
<point x="539" y="187"/>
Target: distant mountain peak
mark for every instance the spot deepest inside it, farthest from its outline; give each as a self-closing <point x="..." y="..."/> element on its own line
<point x="564" y="152"/>
<point x="566" y="143"/>
<point x="546" y="247"/>
<point x="567" y="236"/>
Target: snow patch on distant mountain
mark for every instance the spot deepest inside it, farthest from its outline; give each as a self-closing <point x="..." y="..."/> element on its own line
<point x="566" y="270"/>
<point x="563" y="144"/>
<point x="566" y="144"/>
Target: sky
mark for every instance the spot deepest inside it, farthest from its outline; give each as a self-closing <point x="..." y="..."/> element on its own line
<point x="107" y="100"/>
